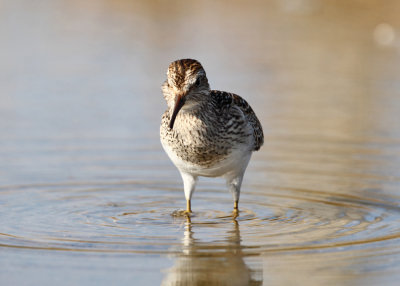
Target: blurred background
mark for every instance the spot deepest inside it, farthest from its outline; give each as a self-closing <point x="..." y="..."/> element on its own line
<point x="73" y="70"/>
<point x="80" y="105"/>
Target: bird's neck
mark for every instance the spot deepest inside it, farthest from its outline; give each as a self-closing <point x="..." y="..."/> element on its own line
<point x="193" y="107"/>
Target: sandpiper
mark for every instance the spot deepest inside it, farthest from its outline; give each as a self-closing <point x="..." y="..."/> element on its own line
<point x="206" y="132"/>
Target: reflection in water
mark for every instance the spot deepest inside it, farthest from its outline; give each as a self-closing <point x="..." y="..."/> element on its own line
<point x="210" y="264"/>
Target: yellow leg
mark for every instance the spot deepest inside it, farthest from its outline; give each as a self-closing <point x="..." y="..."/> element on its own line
<point x="188" y="206"/>
<point x="235" y="209"/>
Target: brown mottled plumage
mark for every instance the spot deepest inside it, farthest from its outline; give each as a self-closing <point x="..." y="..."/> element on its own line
<point x="206" y="132"/>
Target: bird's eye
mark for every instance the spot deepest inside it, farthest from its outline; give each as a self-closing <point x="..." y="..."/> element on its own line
<point x="198" y="82"/>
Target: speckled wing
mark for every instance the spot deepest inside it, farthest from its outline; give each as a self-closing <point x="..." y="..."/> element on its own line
<point x="228" y="99"/>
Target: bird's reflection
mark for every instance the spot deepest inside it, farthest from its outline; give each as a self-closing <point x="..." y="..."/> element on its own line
<point x="207" y="263"/>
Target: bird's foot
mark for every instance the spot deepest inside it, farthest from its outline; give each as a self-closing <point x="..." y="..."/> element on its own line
<point x="188" y="207"/>
<point x="181" y="213"/>
<point x="187" y="212"/>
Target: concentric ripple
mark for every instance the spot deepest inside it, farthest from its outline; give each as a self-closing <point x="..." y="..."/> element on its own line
<point x="140" y="217"/>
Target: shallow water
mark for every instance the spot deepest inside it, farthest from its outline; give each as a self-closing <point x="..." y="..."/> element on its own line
<point x="87" y="195"/>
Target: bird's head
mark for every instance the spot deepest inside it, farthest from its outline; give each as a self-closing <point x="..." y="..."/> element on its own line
<point x="186" y="86"/>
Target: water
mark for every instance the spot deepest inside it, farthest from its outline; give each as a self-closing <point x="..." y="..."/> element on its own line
<point x="87" y="195"/>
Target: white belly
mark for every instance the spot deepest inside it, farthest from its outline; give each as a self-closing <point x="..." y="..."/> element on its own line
<point x="233" y="164"/>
